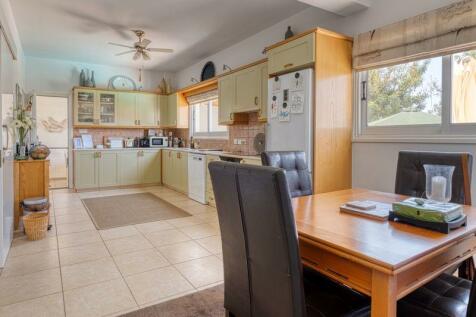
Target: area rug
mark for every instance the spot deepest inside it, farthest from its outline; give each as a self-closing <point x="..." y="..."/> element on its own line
<point x="122" y="210"/>
<point x="206" y="303"/>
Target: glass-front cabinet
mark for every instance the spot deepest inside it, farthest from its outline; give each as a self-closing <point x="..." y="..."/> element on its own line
<point x="84" y="107"/>
<point x="107" y="108"/>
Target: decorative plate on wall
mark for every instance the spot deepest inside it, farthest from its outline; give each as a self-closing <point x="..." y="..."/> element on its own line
<point x="122" y="82"/>
<point x="208" y="71"/>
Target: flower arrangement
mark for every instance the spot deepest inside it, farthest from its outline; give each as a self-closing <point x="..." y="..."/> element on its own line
<point x="21" y="124"/>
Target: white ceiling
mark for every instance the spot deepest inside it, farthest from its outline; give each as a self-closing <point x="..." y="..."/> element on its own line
<point x="80" y="30"/>
<point x="340" y="7"/>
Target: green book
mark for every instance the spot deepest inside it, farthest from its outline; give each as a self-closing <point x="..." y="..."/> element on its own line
<point x="428" y="210"/>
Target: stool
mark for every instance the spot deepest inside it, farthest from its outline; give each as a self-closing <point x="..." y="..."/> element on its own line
<point x="36" y="204"/>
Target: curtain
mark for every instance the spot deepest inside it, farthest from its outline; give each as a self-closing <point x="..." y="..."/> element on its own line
<point x="202" y="97"/>
<point x="444" y="31"/>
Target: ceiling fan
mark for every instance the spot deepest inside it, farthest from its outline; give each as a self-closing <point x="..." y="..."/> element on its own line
<point x="140" y="48"/>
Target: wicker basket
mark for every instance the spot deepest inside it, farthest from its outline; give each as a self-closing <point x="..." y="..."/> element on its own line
<point x="36" y="225"/>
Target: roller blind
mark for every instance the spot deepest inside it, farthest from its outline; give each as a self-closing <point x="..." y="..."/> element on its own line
<point x="447" y="30"/>
<point x="202" y="97"/>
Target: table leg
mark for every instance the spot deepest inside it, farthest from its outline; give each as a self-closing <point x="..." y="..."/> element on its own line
<point x="384" y="295"/>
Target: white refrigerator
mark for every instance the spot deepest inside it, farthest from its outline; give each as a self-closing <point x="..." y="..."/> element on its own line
<point x="290" y="113"/>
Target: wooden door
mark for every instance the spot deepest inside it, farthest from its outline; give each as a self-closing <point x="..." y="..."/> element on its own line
<point x="248" y="90"/>
<point x="226" y="99"/>
<point x="150" y="167"/>
<point x="129" y="167"/>
<point x="146" y="107"/>
<point x="85" y="169"/>
<point x="108" y="169"/>
<point x="126" y="109"/>
<point x="292" y="55"/>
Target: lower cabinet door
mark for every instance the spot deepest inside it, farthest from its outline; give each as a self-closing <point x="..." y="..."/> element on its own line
<point x="182" y="172"/>
<point x="85" y="170"/>
<point x="108" y="169"/>
<point x="128" y="166"/>
<point x="149" y="166"/>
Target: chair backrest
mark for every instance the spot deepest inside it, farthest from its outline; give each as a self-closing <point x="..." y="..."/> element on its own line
<point x="471" y="311"/>
<point x="295" y="165"/>
<point x="411" y="177"/>
<point x="274" y="262"/>
<point x="235" y="263"/>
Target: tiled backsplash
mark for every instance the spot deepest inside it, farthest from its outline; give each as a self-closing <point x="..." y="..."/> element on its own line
<point x="246" y="132"/>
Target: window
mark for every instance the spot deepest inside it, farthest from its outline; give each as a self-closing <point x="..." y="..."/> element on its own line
<point x="205" y="120"/>
<point x="430" y="98"/>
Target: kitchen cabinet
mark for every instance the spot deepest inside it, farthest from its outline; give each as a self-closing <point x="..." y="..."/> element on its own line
<point x="248" y="90"/>
<point x="294" y="54"/>
<point x="252" y="161"/>
<point x="126" y="109"/>
<point x="85" y="169"/>
<point x="99" y="169"/>
<point x="84" y="107"/>
<point x="226" y="99"/>
<point x="146" y="109"/>
<point x="175" y="170"/>
<point x="177" y="112"/>
<point x="167" y="166"/>
<point x="107" y="169"/>
<point x="107" y="108"/>
<point x="162" y="110"/>
<point x="263" y="105"/>
<point x="209" y="187"/>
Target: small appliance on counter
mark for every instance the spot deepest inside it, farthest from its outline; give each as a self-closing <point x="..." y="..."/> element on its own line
<point x="115" y="143"/>
<point x="144" y="142"/>
<point x="129" y="143"/>
<point x="158" y="141"/>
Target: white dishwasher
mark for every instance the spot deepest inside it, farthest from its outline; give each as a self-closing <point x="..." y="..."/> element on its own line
<point x="197" y="164"/>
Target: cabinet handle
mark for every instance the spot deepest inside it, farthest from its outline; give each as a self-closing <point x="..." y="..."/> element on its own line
<point x="256" y="101"/>
<point x="138" y="121"/>
<point x="158" y="122"/>
<point x="99" y="155"/>
<point x="288" y="65"/>
<point x="231" y="116"/>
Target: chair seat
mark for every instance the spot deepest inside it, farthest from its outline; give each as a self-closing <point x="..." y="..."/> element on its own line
<point x="324" y="298"/>
<point x="447" y="295"/>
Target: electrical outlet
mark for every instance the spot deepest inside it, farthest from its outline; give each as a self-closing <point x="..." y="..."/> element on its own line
<point x="235" y="141"/>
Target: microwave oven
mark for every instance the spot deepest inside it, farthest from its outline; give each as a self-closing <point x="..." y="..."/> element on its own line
<point x="158" y="141"/>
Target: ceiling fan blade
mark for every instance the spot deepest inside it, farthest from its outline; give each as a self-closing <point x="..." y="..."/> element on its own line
<point x="163" y="50"/>
<point x="145" y="56"/>
<point x="121" y="45"/>
<point x="136" y="56"/>
<point x="126" y="52"/>
<point x="145" y="42"/>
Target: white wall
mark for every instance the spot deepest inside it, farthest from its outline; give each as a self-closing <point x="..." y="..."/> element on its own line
<point x="59" y="76"/>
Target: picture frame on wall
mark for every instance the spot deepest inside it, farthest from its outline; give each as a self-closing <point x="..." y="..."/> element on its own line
<point x="77" y="143"/>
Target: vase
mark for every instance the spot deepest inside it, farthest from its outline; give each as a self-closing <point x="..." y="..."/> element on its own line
<point x="289" y="33"/>
<point x="438" y="182"/>
<point x="39" y="152"/>
<point x="82" y="78"/>
<point x="93" y="81"/>
<point x="21" y="153"/>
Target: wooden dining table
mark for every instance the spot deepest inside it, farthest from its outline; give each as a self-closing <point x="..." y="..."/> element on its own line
<point x="383" y="259"/>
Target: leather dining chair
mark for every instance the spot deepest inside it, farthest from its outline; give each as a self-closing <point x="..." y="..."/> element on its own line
<point x="275" y="274"/>
<point x="295" y="165"/>
<point x="235" y="263"/>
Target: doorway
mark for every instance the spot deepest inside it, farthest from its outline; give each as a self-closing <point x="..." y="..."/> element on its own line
<point x="52" y="131"/>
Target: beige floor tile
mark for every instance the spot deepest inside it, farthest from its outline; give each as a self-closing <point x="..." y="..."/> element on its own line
<point x="30" y="263"/>
<point x="75" y="210"/>
<point x="22" y="246"/>
<point x="203" y="271"/>
<point x="99" y="299"/>
<point x="208" y="216"/>
<point x="128" y="244"/>
<point x="74" y="227"/>
<point x="87" y="273"/>
<point x="67" y="203"/>
<point x="154" y="285"/>
<point x="161" y="238"/>
<point x="46" y="306"/>
<point x="78" y="238"/>
<point x="184" y="251"/>
<point x="140" y="261"/>
<point x="119" y="232"/>
<point x="198" y="210"/>
<point x="24" y="287"/>
<point x="72" y="218"/>
<point x="212" y="244"/>
<point x="154" y="226"/>
<point x="185" y="221"/>
<point x="83" y="253"/>
<point x="200" y="231"/>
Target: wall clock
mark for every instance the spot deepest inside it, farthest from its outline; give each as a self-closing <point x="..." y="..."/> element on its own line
<point x="208" y="71"/>
<point x="122" y="82"/>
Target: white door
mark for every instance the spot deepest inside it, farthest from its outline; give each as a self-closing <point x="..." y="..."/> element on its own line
<point x="7" y="99"/>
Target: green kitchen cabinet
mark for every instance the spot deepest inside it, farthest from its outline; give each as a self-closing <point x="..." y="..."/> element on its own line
<point x="146" y="108"/>
<point x="85" y="169"/>
<point x="150" y="166"/>
<point x="108" y="169"/>
<point x="126" y="109"/>
<point x="128" y="163"/>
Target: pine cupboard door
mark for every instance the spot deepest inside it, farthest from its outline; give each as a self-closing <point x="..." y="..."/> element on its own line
<point x="226" y="99"/>
<point x="162" y="110"/>
<point x="149" y="166"/>
<point x="146" y="107"/>
<point x="126" y="109"/>
<point x="129" y="167"/>
<point x="248" y="90"/>
<point x="181" y="171"/>
<point x="292" y="55"/>
<point x="166" y="166"/>
<point x="263" y="110"/>
<point x="172" y="108"/>
<point x="108" y="169"/>
<point x="85" y="170"/>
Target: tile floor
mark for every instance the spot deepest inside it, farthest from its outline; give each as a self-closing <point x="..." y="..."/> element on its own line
<point x="80" y="271"/>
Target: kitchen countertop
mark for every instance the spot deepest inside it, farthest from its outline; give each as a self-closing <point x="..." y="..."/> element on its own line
<point x="188" y="150"/>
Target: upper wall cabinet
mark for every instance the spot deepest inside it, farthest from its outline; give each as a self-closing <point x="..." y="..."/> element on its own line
<point x="176" y="115"/>
<point x="109" y="108"/>
<point x="248" y="90"/>
<point x="294" y="54"/>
